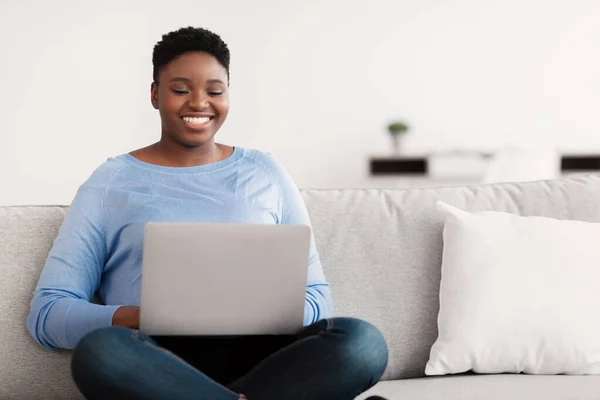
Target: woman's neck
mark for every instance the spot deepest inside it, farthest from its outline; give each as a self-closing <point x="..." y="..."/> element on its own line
<point x="175" y="155"/>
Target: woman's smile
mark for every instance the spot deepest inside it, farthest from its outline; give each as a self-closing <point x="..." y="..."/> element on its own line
<point x="195" y="122"/>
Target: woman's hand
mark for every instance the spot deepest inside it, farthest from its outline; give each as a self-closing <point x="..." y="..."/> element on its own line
<point x="127" y="316"/>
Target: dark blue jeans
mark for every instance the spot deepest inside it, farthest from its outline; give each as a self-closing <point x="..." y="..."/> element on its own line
<point x="332" y="359"/>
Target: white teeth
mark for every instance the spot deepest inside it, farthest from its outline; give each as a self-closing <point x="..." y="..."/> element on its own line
<point x="199" y="121"/>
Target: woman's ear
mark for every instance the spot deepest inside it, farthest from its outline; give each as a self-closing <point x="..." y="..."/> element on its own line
<point x="154" y="95"/>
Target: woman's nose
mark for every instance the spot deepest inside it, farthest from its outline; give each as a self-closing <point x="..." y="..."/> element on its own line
<point x="198" y="101"/>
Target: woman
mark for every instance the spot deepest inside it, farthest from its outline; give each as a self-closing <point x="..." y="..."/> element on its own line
<point x="187" y="176"/>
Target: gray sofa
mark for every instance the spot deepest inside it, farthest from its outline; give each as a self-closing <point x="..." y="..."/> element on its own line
<point x="381" y="250"/>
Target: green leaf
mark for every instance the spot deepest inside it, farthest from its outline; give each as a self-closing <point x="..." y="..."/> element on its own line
<point x="397" y="127"/>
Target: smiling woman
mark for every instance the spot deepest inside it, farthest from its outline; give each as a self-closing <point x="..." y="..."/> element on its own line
<point x="187" y="176"/>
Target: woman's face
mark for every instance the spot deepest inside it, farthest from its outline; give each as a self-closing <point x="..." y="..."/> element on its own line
<point x="192" y="97"/>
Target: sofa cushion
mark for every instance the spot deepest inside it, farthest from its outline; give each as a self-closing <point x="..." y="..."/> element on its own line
<point x="491" y="387"/>
<point x="382" y="250"/>
<point x="518" y="294"/>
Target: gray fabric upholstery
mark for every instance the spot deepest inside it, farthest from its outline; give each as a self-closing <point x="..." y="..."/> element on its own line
<point x="490" y="387"/>
<point x="381" y="251"/>
<point x="27" y="371"/>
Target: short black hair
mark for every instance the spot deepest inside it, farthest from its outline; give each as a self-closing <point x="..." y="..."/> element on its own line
<point x="183" y="40"/>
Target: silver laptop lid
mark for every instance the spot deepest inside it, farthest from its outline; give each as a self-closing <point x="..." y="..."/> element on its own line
<point x="223" y="279"/>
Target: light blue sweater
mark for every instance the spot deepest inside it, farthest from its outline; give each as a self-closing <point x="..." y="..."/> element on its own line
<point x="99" y="246"/>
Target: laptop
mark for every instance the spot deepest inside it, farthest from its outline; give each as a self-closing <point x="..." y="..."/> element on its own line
<point x="215" y="279"/>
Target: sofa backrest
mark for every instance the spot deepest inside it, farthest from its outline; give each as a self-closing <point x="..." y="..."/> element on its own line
<point x="381" y="251"/>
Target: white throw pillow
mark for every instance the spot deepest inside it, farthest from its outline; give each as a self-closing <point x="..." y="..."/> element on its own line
<point x="518" y="294"/>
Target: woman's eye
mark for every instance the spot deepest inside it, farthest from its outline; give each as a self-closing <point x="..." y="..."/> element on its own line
<point x="181" y="92"/>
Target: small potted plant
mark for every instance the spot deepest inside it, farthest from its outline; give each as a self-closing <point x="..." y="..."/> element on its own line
<point x="397" y="129"/>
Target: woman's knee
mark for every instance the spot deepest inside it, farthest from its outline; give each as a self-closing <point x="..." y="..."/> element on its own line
<point x="364" y="344"/>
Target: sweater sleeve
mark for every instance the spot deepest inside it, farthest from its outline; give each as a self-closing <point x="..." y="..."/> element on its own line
<point x="318" y="304"/>
<point x="60" y="311"/>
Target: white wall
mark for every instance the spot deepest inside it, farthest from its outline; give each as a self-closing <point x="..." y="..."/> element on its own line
<point x="313" y="82"/>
